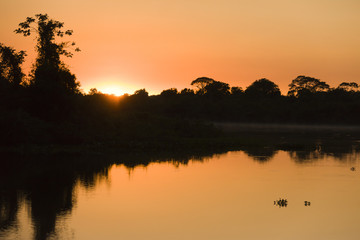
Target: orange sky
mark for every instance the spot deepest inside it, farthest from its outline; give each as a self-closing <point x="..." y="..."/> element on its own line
<point x="132" y="44"/>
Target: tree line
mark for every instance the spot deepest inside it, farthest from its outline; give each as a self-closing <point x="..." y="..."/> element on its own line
<point x="48" y="105"/>
<point x="299" y="87"/>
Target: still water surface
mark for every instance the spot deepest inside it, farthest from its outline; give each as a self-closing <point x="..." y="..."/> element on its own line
<point x="225" y="196"/>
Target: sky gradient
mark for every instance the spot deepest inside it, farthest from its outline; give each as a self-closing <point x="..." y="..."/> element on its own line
<point x="128" y="45"/>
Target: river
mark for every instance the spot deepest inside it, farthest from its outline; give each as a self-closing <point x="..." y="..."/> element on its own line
<point x="231" y="195"/>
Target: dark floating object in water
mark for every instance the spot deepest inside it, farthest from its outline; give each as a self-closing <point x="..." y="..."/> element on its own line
<point x="281" y="202"/>
<point x="352" y="168"/>
<point x="307" y="203"/>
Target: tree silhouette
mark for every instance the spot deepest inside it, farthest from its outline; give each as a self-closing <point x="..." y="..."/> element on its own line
<point x="187" y="92"/>
<point x="93" y="91"/>
<point x="263" y="88"/>
<point x="217" y="89"/>
<point x="303" y="85"/>
<point x="141" y="93"/>
<point x="201" y="83"/>
<point x="236" y="91"/>
<point x="50" y="73"/>
<point x="169" y="92"/>
<point x="210" y="87"/>
<point x="10" y="66"/>
<point x="348" y="86"/>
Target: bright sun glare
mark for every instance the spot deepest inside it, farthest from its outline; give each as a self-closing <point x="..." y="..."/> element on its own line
<point x="112" y="89"/>
<point x="116" y="86"/>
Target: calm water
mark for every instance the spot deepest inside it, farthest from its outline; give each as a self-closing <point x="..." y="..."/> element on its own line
<point x="225" y="196"/>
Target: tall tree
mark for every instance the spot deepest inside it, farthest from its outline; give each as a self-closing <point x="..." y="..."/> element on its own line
<point x="201" y="83"/>
<point x="304" y="85"/>
<point x="50" y="73"/>
<point x="210" y="87"/>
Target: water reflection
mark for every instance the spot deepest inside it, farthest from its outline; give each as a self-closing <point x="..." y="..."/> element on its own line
<point x="261" y="154"/>
<point x="46" y="185"/>
<point x="320" y="151"/>
<point x="8" y="209"/>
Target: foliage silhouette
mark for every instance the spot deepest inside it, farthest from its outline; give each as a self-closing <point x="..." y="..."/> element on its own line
<point x="217" y="89"/>
<point x="201" y="83"/>
<point x="263" y="88"/>
<point x="141" y="93"/>
<point x="303" y="85"/>
<point x="187" y="92"/>
<point x="348" y="86"/>
<point x="169" y="92"/>
<point x="11" y="74"/>
<point x="52" y="88"/>
<point x="50" y="74"/>
<point x="211" y="88"/>
<point x="93" y="91"/>
<point x="236" y="91"/>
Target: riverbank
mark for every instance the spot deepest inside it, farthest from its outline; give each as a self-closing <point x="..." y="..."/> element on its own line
<point x="234" y="127"/>
<point x="229" y="137"/>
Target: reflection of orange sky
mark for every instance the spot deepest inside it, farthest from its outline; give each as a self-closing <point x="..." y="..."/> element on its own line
<point x="162" y="44"/>
<point x="226" y="198"/>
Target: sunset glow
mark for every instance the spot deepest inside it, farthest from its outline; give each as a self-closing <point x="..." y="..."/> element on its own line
<point x="180" y="119"/>
<point x="165" y="44"/>
<point x="113" y="90"/>
<point x="112" y="85"/>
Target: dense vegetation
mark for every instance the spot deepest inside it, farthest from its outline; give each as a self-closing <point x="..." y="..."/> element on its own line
<point x="47" y="107"/>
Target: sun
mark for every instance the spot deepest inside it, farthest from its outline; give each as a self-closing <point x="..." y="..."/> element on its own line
<point x="113" y="85"/>
<point x="112" y="89"/>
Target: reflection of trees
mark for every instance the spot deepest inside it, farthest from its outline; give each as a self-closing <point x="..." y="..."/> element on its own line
<point x="312" y="154"/>
<point x="48" y="189"/>
<point x="47" y="203"/>
<point x="8" y="209"/>
<point x="261" y="154"/>
<point x="52" y="197"/>
<point x="181" y="158"/>
<point x="302" y="144"/>
<point x="48" y="186"/>
<point x="318" y="152"/>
